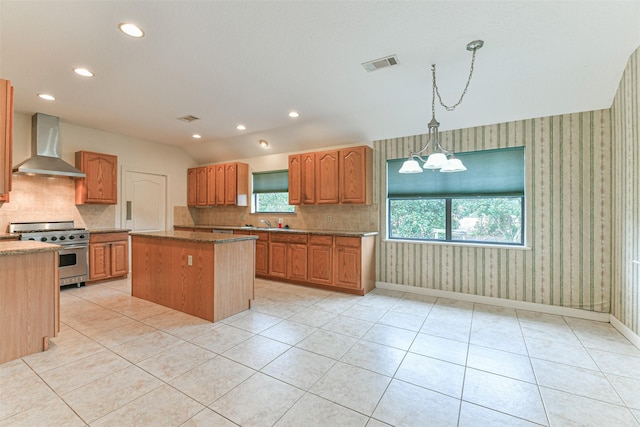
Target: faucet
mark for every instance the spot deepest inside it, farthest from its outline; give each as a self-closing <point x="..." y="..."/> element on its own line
<point x="267" y="222"/>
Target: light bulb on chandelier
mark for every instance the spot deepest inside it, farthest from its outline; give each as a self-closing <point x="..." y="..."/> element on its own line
<point x="440" y="158"/>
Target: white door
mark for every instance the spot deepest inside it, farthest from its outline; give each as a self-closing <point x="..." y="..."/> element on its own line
<point x="145" y="201"/>
<point x="144" y="207"/>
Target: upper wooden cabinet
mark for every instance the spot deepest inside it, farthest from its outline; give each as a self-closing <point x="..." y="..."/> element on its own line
<point x="332" y="177"/>
<point x="218" y="185"/>
<point x="6" y="138"/>
<point x="356" y="175"/>
<point x="101" y="183"/>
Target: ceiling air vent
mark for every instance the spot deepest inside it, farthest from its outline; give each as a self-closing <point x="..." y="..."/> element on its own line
<point x="189" y="118"/>
<point x="376" y="64"/>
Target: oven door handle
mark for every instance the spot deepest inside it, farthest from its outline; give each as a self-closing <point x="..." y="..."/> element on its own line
<point x="73" y="247"/>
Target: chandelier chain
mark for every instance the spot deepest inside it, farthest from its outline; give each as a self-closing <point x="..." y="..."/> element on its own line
<point x="436" y="91"/>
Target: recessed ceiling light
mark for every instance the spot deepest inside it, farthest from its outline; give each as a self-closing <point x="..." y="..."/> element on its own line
<point x="131" y="30"/>
<point x="196" y="136"/>
<point x="83" y="72"/>
<point x="263" y="143"/>
<point x="293" y="114"/>
<point x="241" y="127"/>
<point x="46" y="96"/>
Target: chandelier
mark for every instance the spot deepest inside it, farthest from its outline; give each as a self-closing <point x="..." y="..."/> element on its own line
<point x="440" y="158"/>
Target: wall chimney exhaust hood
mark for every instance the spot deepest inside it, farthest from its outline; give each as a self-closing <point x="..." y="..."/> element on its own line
<point x="45" y="150"/>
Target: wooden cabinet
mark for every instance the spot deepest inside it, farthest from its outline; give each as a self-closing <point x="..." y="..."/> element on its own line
<point x="108" y="255"/>
<point x="262" y="250"/>
<point x="218" y="185"/>
<point x="320" y="264"/>
<point x="100" y="186"/>
<point x="327" y="177"/>
<point x="332" y="177"/>
<point x="295" y="179"/>
<point x="288" y="256"/>
<point x="348" y="262"/>
<point x="356" y="175"/>
<point x="192" y="182"/>
<point x="6" y="138"/>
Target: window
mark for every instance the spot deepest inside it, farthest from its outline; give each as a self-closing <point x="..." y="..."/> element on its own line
<point x="270" y="192"/>
<point x="484" y="204"/>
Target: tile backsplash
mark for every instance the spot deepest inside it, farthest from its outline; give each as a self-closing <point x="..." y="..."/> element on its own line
<point x="40" y="198"/>
<point x="307" y="217"/>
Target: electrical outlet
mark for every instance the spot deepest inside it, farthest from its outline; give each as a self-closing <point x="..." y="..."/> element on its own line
<point x="329" y="218"/>
<point x="189" y="260"/>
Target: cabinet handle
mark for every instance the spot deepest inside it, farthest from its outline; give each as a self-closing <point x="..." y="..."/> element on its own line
<point x="128" y="210"/>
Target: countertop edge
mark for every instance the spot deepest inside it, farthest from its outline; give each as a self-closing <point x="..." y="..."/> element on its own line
<point x="26" y="247"/>
<point x="284" y="230"/>
<point x="192" y="236"/>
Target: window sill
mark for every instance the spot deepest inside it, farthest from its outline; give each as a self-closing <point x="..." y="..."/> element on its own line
<point x="468" y="245"/>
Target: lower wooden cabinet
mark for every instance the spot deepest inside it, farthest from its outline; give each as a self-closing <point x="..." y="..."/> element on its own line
<point x="348" y="262"/>
<point x="320" y="265"/>
<point x="108" y="256"/>
<point x="288" y="256"/>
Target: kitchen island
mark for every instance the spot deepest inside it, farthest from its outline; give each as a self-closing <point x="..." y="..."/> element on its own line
<point x="208" y="275"/>
<point x="29" y="297"/>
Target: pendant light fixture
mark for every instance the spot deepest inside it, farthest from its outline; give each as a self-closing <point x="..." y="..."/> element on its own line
<point x="440" y="158"/>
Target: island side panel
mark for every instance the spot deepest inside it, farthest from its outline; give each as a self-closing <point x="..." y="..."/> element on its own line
<point x="234" y="277"/>
<point x="161" y="273"/>
<point x="29" y="294"/>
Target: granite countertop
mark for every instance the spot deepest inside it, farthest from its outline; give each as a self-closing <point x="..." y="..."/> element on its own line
<point x="26" y="247"/>
<point x="284" y="230"/>
<point x="108" y="230"/>
<point x="195" y="236"/>
<point x="7" y="236"/>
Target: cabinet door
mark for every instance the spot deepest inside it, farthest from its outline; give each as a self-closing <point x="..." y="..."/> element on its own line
<point x="327" y="177"/>
<point x="295" y="180"/>
<point x="211" y="185"/>
<point x="6" y="138"/>
<point x="119" y="258"/>
<point x="348" y="262"/>
<point x="192" y="182"/>
<point x="278" y="259"/>
<point x="201" y="187"/>
<point x="100" y="184"/>
<point x="297" y="262"/>
<point x="220" y="174"/>
<point x="354" y="173"/>
<point x="99" y="261"/>
<point x="262" y="258"/>
<point x="231" y="179"/>
<point x="320" y="264"/>
<point x="308" y="176"/>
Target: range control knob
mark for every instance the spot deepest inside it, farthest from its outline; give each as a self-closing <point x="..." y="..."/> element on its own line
<point x="62" y="237"/>
<point x="82" y="236"/>
<point x="54" y="238"/>
<point x="31" y="238"/>
<point x="43" y="239"/>
<point x="72" y="237"/>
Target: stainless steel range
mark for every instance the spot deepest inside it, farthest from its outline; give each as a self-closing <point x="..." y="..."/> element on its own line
<point x="74" y="259"/>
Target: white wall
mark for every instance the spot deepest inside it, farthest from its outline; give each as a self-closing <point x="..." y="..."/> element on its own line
<point x="136" y="154"/>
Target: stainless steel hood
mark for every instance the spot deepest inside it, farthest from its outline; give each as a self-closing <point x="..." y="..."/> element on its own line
<point x="45" y="150"/>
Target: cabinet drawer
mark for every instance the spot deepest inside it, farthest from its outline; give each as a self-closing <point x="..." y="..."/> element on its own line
<point x="288" y="238"/>
<point x="315" y="239"/>
<point x="262" y="235"/>
<point x="108" y="237"/>
<point x="352" y="242"/>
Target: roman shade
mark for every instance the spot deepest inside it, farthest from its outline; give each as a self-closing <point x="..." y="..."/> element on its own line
<point x="271" y="182"/>
<point x="489" y="173"/>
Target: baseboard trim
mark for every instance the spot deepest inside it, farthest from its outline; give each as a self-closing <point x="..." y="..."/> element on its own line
<point x="624" y="330"/>
<point x="501" y="302"/>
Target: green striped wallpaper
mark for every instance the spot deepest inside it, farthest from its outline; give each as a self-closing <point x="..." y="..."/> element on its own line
<point x="567" y="261"/>
<point x="626" y="197"/>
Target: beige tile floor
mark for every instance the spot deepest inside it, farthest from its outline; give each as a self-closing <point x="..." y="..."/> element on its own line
<point x="305" y="357"/>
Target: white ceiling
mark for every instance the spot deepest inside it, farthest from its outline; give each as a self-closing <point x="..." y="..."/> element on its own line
<point x="250" y="62"/>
